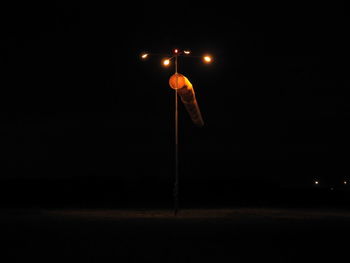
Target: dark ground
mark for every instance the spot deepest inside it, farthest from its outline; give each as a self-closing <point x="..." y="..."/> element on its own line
<point x="196" y="235"/>
<point x="91" y="220"/>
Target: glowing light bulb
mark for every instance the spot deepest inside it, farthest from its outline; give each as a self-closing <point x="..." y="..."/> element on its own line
<point x="144" y="56"/>
<point x="187" y="52"/>
<point x="166" y="62"/>
<point x="316" y="182"/>
<point x="207" y="59"/>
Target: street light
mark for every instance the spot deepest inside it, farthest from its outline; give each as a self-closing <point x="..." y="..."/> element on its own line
<point x="144" y="55"/>
<point x="207" y="59"/>
<point x="166" y="62"/>
<point x="184" y="89"/>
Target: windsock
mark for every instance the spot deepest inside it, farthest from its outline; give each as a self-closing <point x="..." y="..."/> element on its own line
<point x="185" y="90"/>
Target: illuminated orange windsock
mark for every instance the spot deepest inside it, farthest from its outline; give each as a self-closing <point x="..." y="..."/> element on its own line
<point x="184" y="88"/>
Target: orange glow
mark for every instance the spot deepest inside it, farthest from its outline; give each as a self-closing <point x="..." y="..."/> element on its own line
<point x="144" y="56"/>
<point x="177" y="81"/>
<point x="207" y="59"/>
<point x="166" y="62"/>
<point x="185" y="90"/>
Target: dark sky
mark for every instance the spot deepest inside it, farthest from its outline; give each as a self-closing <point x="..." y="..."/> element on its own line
<point x="77" y="101"/>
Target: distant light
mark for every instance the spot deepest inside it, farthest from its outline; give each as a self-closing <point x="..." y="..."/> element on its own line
<point x="187" y="52"/>
<point x="332" y="188"/>
<point x="166" y="62"/>
<point x="207" y="59"/>
<point x="176" y="51"/>
<point x="345" y="182"/>
<point x="316" y="182"/>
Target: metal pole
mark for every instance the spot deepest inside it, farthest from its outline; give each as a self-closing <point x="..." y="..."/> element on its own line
<point x="176" y="185"/>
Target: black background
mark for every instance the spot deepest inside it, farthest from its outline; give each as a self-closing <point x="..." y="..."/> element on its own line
<point x="85" y="122"/>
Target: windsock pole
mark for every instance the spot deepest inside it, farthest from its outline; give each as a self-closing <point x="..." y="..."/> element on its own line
<point x="176" y="184"/>
<point x="187" y="95"/>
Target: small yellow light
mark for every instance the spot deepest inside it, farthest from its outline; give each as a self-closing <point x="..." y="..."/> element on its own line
<point x="316" y="182"/>
<point x="207" y="59"/>
<point x="166" y="62"/>
<point x="144" y="55"/>
<point x="345" y="182"/>
<point x="187" y="52"/>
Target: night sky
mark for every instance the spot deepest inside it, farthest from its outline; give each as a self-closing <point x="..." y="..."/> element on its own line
<point x="77" y="101"/>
